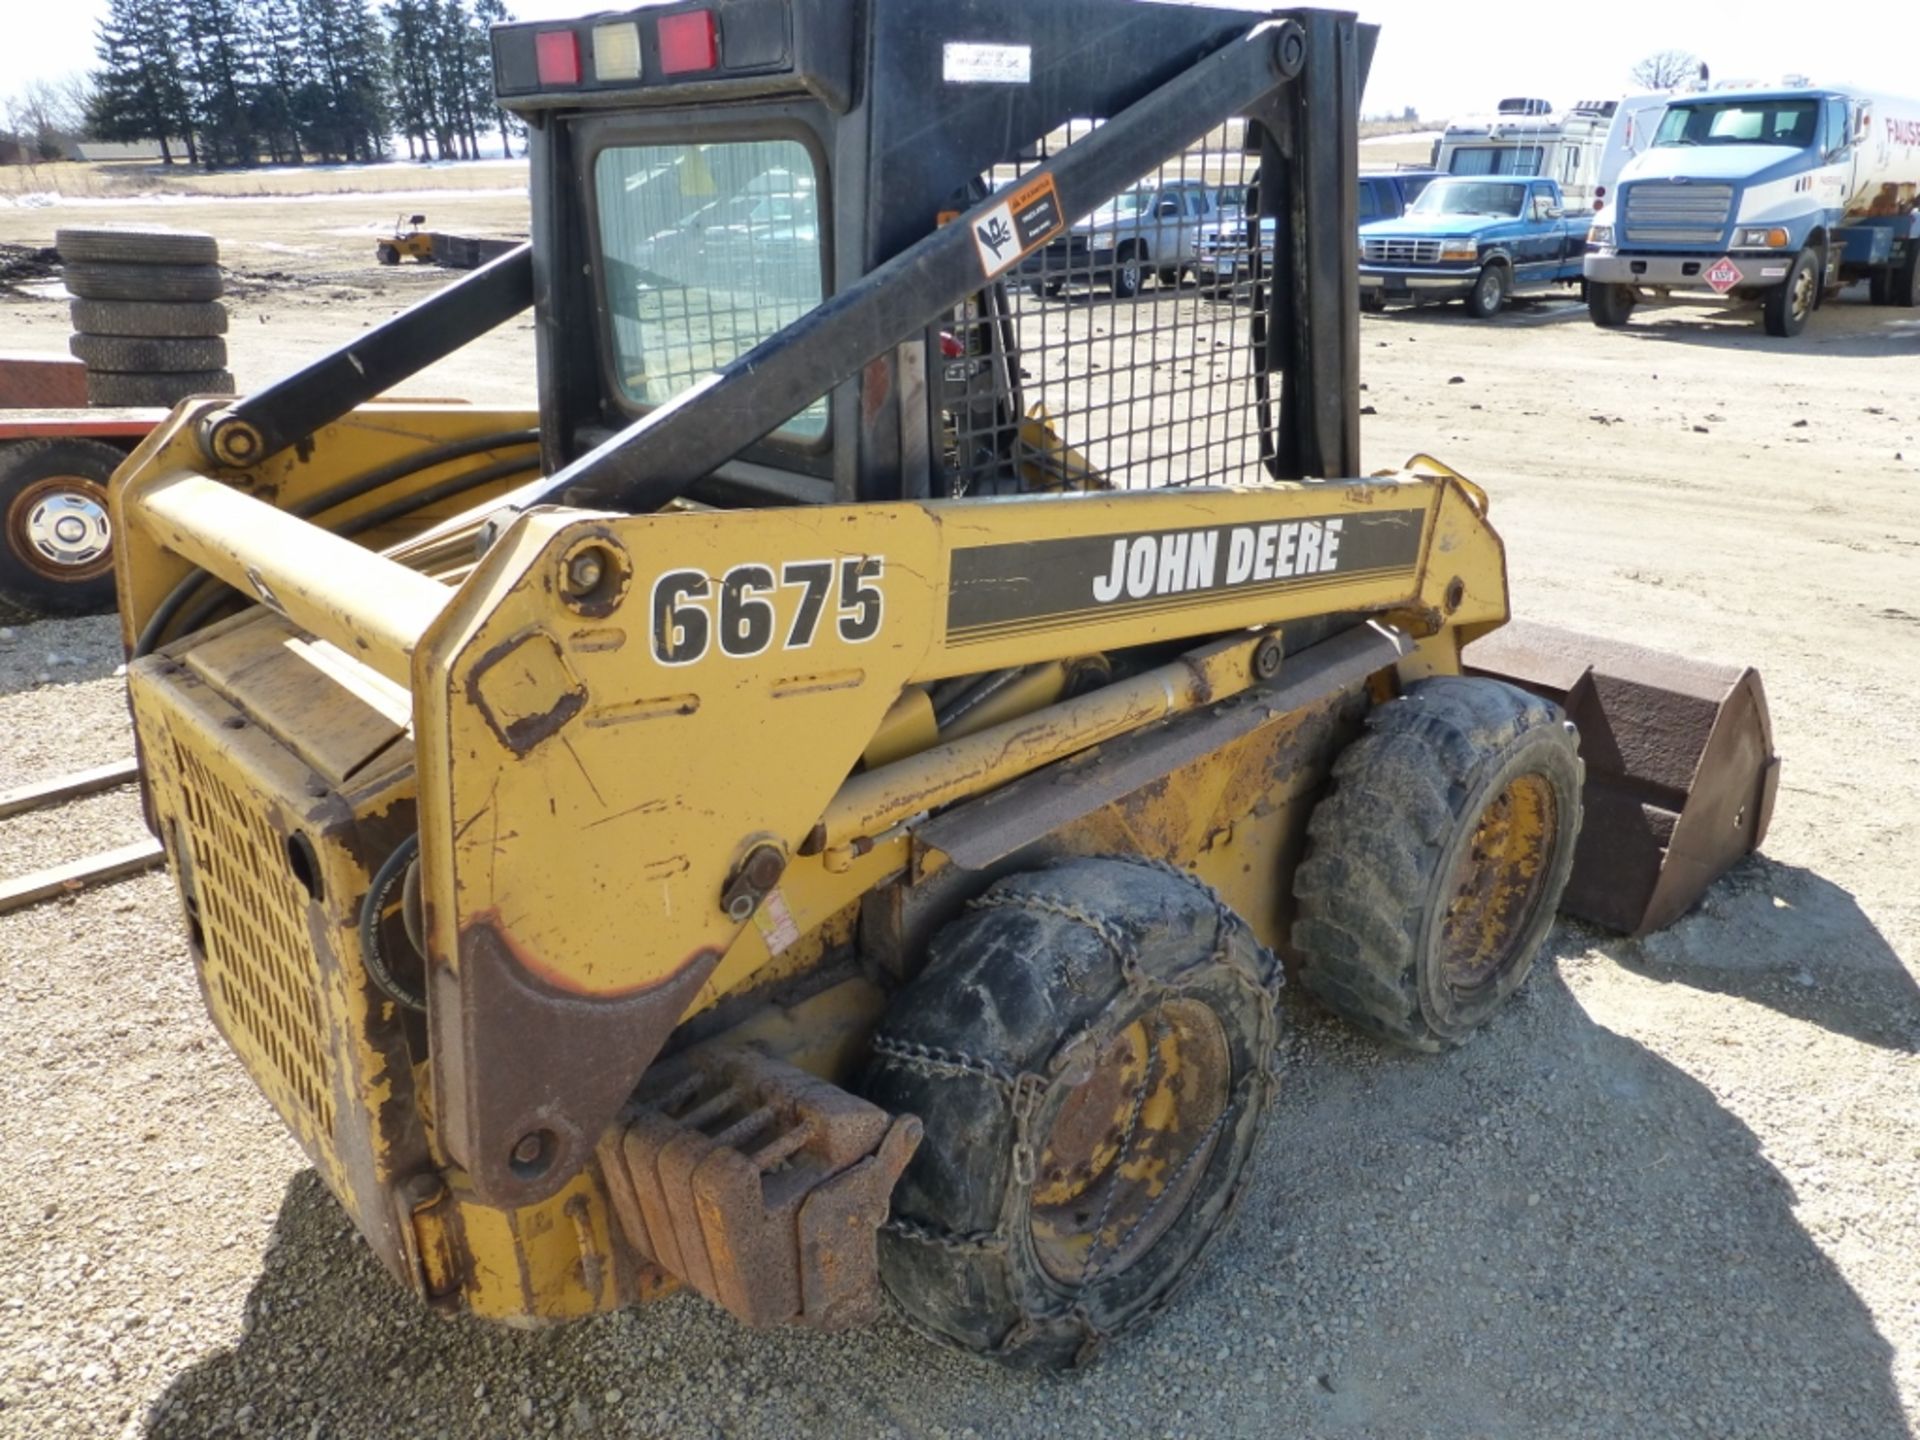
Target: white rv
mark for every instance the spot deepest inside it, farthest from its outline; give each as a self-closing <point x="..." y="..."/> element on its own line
<point x="1529" y="137"/>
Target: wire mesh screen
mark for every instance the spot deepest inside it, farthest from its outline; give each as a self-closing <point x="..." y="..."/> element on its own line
<point x="1120" y="354"/>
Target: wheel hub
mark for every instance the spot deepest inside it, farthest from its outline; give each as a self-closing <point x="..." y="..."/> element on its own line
<point x="1497" y="883"/>
<point x="60" y="529"/>
<point x="1803" y="293"/>
<point x="1130" y="1142"/>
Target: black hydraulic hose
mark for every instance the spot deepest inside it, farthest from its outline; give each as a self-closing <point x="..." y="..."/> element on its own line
<point x="379" y="515"/>
<point x="411" y="465"/>
<point x="164" y="612"/>
<point x="392" y="872"/>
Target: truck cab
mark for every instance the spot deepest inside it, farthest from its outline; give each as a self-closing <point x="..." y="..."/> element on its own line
<point x="1148" y="231"/>
<point x="1222" y="254"/>
<point x="1777" y="196"/>
<point x="1480" y="239"/>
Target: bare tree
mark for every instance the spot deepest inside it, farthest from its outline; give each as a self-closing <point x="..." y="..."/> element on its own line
<point x="1665" y="69"/>
<point x="46" y="114"/>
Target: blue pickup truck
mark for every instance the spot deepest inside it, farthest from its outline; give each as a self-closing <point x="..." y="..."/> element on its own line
<point x="1475" y="238"/>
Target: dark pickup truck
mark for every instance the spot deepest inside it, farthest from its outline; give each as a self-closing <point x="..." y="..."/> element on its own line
<point x="1220" y="252"/>
<point x="1475" y="238"/>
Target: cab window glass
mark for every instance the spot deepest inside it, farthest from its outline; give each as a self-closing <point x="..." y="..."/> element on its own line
<point x="706" y="251"/>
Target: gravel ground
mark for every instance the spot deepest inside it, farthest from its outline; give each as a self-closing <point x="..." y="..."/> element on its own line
<point x="1669" y="1192"/>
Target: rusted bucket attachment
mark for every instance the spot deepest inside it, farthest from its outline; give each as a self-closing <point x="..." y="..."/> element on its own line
<point x="1681" y="772"/>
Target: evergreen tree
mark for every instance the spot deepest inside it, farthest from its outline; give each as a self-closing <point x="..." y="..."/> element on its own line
<point x="342" y="106"/>
<point x="141" y="90"/>
<point x="221" y="80"/>
<point x="280" y="65"/>
<point x="487" y="14"/>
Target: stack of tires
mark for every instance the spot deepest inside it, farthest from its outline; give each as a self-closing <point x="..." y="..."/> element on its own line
<point x="147" y="316"/>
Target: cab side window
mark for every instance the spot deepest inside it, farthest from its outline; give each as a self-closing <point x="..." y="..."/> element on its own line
<point x="1369" y="203"/>
<point x="1836" y="138"/>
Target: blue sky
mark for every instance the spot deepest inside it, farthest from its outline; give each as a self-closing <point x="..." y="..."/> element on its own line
<point x="1441" y="59"/>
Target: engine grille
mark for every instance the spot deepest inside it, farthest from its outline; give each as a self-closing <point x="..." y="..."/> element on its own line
<point x="261" y="978"/>
<point x="1660" y="212"/>
<point x="1385" y="250"/>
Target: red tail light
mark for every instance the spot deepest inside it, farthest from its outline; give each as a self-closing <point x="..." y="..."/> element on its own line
<point x="688" y="42"/>
<point x="556" y="55"/>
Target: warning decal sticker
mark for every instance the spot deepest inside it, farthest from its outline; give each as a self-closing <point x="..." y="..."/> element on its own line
<point x="1024" y="221"/>
<point x="1723" y="274"/>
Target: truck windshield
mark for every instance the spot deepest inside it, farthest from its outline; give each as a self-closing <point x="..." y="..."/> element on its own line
<point x="1742" y="122"/>
<point x="707" y="250"/>
<point x="1470" y="197"/>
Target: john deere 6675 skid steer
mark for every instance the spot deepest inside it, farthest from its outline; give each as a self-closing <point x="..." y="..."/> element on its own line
<point x="823" y="807"/>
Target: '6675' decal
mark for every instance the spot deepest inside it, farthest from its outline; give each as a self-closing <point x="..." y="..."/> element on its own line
<point x="753" y="609"/>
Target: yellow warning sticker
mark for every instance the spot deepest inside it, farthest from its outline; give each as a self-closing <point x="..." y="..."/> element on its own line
<point x="1025" y="220"/>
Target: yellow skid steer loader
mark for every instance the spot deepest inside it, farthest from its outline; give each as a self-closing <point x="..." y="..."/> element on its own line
<point x="824" y="805"/>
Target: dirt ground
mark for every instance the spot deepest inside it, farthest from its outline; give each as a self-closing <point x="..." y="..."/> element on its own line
<point x="1672" y="1191"/>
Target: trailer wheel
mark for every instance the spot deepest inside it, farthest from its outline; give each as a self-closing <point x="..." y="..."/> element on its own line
<point x="1786" y="307"/>
<point x="1436" y="862"/>
<point x="56" y="555"/>
<point x="1489" y="293"/>
<point x="1610" y="306"/>
<point x="1089" y="1048"/>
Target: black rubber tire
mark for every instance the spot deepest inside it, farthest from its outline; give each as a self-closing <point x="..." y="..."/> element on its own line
<point x="156" y="319"/>
<point x="1031" y="973"/>
<point x="1129" y="271"/>
<point x="1489" y="294"/>
<point x="1379" y="873"/>
<point x="28" y="590"/>
<point x="1903" y="283"/>
<point x="1610" y="306"/>
<point x="119" y="245"/>
<point x="1373" y="304"/>
<point x="1880" y="286"/>
<point x="387" y="255"/>
<point x="97" y="280"/>
<point x="134" y="355"/>
<point x="1777" y="312"/>
<point x="167" y="390"/>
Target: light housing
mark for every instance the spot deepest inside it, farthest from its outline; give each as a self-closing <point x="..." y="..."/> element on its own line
<point x="1600" y="236"/>
<point x="616" y="51"/>
<point x="556" y="57"/>
<point x="1459" y="249"/>
<point x="1770" y="237"/>
<point x="689" y="42"/>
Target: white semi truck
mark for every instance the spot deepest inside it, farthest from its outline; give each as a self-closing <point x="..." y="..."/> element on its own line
<point x="1780" y="196"/>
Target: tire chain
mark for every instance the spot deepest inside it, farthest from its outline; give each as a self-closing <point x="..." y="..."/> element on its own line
<point x="1023" y="1091"/>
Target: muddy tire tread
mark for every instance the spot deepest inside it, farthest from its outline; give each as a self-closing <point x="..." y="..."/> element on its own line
<point x="1375" y="845"/>
<point x="1007" y="987"/>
